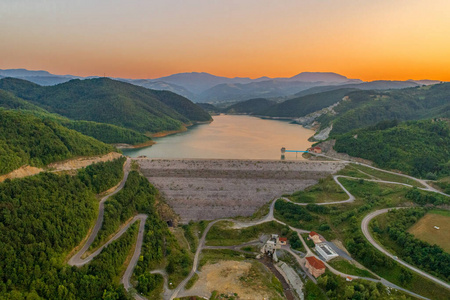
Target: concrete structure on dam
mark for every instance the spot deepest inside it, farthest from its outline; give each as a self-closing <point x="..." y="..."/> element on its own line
<point x="207" y="189"/>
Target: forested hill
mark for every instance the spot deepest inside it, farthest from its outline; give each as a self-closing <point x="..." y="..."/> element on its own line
<point x="251" y="106"/>
<point x="304" y="105"/>
<point x="26" y="139"/>
<point x="106" y="133"/>
<point x="109" y="101"/>
<point x="366" y="108"/>
<point x="420" y="148"/>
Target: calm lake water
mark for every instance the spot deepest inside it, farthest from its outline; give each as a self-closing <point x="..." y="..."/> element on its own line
<point x="231" y="137"/>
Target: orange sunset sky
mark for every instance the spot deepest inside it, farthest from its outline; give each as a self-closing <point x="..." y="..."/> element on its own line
<point x="366" y="39"/>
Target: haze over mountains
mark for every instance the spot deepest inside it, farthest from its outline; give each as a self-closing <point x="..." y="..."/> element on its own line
<point x="204" y="87"/>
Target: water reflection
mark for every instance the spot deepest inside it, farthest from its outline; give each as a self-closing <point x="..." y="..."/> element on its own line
<point x="231" y="137"/>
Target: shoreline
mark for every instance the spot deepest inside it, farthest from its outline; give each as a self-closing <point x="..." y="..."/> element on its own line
<point x="158" y="135"/>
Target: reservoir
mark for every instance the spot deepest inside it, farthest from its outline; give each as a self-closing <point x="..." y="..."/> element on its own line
<point x="231" y="137"/>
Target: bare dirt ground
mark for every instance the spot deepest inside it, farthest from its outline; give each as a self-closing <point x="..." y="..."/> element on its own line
<point x="66" y="165"/>
<point x="21" y="172"/>
<point x="425" y="231"/>
<point x="81" y="162"/>
<point x="211" y="189"/>
<point x="229" y="277"/>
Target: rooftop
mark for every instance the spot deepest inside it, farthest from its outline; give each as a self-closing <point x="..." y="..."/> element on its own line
<point x="315" y="263"/>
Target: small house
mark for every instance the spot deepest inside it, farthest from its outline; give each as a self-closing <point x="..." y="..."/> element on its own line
<point x="315" y="237"/>
<point x="315" y="266"/>
<point x="283" y="241"/>
<point x="316" y="149"/>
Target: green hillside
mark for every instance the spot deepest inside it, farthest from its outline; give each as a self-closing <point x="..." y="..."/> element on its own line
<point x="26" y="139"/>
<point x="419" y="148"/>
<point x="43" y="218"/>
<point x="209" y="107"/>
<point x="106" y="133"/>
<point x="366" y="108"/>
<point x="302" y="106"/>
<point x="9" y="101"/>
<point x="113" y="102"/>
<point x="252" y="106"/>
<point x="183" y="106"/>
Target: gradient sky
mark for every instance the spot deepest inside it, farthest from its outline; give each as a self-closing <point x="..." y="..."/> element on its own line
<point x="366" y="39"/>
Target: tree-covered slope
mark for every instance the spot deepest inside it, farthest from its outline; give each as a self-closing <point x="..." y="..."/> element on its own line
<point x="366" y="108"/>
<point x="10" y="101"/>
<point x="302" y="106"/>
<point x="26" y="139"/>
<point x="42" y="219"/>
<point x="108" y="101"/>
<point x="420" y="148"/>
<point x="183" y="106"/>
<point x="251" y="106"/>
<point x="106" y="133"/>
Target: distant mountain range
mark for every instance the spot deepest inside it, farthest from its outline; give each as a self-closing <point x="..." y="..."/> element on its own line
<point x="205" y="87"/>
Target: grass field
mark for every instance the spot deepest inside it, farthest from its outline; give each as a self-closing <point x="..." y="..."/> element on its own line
<point x="349" y="268"/>
<point x="221" y="234"/>
<point x="326" y="190"/>
<point x="387" y="176"/>
<point x="425" y="231"/>
<point x="345" y="219"/>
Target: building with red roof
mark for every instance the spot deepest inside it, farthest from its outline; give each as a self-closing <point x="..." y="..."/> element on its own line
<point x="315" y="266"/>
<point x="283" y="240"/>
<point x="315" y="150"/>
<point x="315" y="237"/>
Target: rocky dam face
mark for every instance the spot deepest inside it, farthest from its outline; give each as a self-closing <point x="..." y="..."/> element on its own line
<point x="207" y="189"/>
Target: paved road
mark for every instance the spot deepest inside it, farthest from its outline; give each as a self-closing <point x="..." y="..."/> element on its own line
<point x="421" y="181"/>
<point x="76" y="259"/>
<point x="365" y="229"/>
<point x="351" y="198"/>
<point x="201" y="244"/>
<point x="336" y="272"/>
<point x="137" y="250"/>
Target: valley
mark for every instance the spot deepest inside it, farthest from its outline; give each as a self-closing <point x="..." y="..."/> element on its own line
<point x="173" y="219"/>
<point x="224" y="150"/>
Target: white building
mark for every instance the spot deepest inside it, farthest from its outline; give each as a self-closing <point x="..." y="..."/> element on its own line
<point x="326" y="251"/>
<point x="271" y="246"/>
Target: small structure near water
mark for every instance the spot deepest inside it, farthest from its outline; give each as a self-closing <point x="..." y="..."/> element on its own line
<point x="316" y="149"/>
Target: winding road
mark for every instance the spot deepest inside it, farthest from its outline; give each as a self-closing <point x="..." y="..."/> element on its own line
<point x="77" y="260"/>
<point x="365" y="229"/>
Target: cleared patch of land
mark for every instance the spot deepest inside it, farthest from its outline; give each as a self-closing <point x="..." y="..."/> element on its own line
<point x="65" y="165"/>
<point x="425" y="231"/>
<point x="200" y="189"/>
<point x="247" y="280"/>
